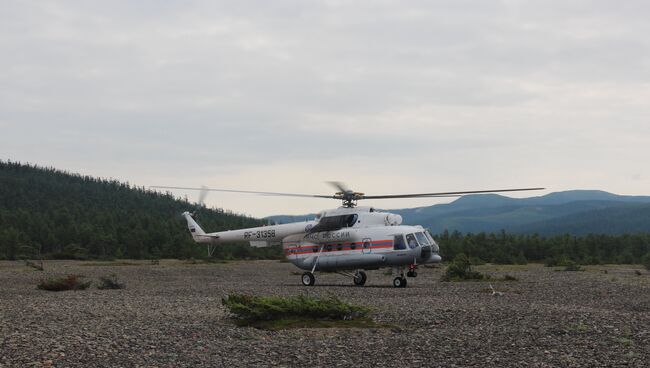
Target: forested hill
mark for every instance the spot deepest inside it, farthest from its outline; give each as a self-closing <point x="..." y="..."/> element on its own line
<point x="63" y="215"/>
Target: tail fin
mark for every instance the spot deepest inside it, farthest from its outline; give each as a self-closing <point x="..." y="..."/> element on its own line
<point x="195" y="229"/>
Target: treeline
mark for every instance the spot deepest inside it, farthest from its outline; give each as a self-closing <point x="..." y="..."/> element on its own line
<point x="49" y="213"/>
<point x="505" y="248"/>
<point x="55" y="214"/>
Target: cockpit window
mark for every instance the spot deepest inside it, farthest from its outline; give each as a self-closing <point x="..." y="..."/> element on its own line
<point x="432" y="241"/>
<point x="410" y="240"/>
<point x="422" y="239"/>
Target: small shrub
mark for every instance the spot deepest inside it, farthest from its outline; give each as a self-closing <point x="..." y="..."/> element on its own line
<point x="509" y="278"/>
<point x="550" y="262"/>
<point x="70" y="282"/>
<point x="460" y="269"/>
<point x="258" y="311"/>
<point x="637" y="272"/>
<point x="645" y="260"/>
<point x="520" y="259"/>
<point x="109" y="283"/>
<point x="38" y="266"/>
<point x="572" y="266"/>
<point x="557" y="261"/>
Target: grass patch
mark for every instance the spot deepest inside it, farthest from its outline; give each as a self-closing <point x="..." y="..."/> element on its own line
<point x="625" y="341"/>
<point x="573" y="267"/>
<point x="70" y="282"/>
<point x="110" y="283"/>
<point x="579" y="328"/>
<point x="38" y="265"/>
<point x="301" y="311"/>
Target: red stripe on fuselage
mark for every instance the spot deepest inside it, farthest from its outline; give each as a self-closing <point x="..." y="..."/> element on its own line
<point x="377" y="244"/>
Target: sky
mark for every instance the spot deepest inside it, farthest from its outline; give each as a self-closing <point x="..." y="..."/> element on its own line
<point x="386" y="96"/>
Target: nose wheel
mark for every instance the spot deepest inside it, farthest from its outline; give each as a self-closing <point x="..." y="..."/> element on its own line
<point x="308" y="279"/>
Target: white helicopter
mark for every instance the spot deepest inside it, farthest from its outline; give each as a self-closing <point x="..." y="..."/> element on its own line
<point x="345" y="240"/>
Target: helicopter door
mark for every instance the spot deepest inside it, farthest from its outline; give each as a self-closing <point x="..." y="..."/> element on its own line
<point x="366" y="245"/>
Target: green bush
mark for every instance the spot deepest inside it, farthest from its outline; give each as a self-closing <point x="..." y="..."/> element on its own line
<point x="251" y="309"/>
<point x="572" y="266"/>
<point x="645" y="260"/>
<point x="520" y="259"/>
<point x="110" y="282"/>
<point x="460" y="269"/>
<point x="70" y="282"/>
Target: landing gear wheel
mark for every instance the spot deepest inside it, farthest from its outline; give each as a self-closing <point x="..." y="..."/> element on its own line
<point x="399" y="282"/>
<point x="308" y="279"/>
<point x="360" y="278"/>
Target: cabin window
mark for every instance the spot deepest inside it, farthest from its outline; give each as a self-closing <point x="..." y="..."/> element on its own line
<point x="339" y="246"/>
<point x="314" y="248"/>
<point x="410" y="240"/>
<point x="398" y="242"/>
<point x="422" y="239"/>
<point x="353" y="246"/>
<point x="329" y="247"/>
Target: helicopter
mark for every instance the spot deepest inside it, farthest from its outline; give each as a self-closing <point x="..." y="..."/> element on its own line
<point x="347" y="240"/>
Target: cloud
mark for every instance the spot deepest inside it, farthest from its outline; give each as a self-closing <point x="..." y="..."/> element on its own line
<point x="392" y="95"/>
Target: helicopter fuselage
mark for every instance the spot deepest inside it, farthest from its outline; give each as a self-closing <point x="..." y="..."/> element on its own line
<point x="341" y="239"/>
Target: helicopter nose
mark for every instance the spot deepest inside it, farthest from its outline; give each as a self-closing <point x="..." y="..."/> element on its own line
<point x="435" y="258"/>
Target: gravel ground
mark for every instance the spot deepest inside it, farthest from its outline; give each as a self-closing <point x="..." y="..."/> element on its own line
<point x="170" y="315"/>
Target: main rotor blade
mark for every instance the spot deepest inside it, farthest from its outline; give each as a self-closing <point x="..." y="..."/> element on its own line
<point x="442" y="194"/>
<point x="202" y="195"/>
<point x="247" y="191"/>
<point x="340" y="186"/>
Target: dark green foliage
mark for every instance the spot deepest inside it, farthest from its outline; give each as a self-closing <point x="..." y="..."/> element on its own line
<point x="251" y="310"/>
<point x="505" y="248"/>
<point x="70" y="282"/>
<point x="509" y="278"/>
<point x="646" y="261"/>
<point x="572" y="266"/>
<point x="110" y="282"/>
<point x="475" y="261"/>
<point x="461" y="270"/>
<point x="62" y="215"/>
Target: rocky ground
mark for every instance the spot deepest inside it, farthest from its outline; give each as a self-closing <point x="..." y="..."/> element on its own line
<point x="170" y="315"/>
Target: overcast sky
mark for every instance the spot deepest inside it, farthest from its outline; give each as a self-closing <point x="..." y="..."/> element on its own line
<point x="387" y="96"/>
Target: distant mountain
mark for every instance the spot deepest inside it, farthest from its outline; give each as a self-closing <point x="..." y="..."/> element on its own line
<point x="576" y="212"/>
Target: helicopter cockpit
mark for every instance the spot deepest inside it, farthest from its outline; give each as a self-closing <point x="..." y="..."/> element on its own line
<point x="418" y="239"/>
